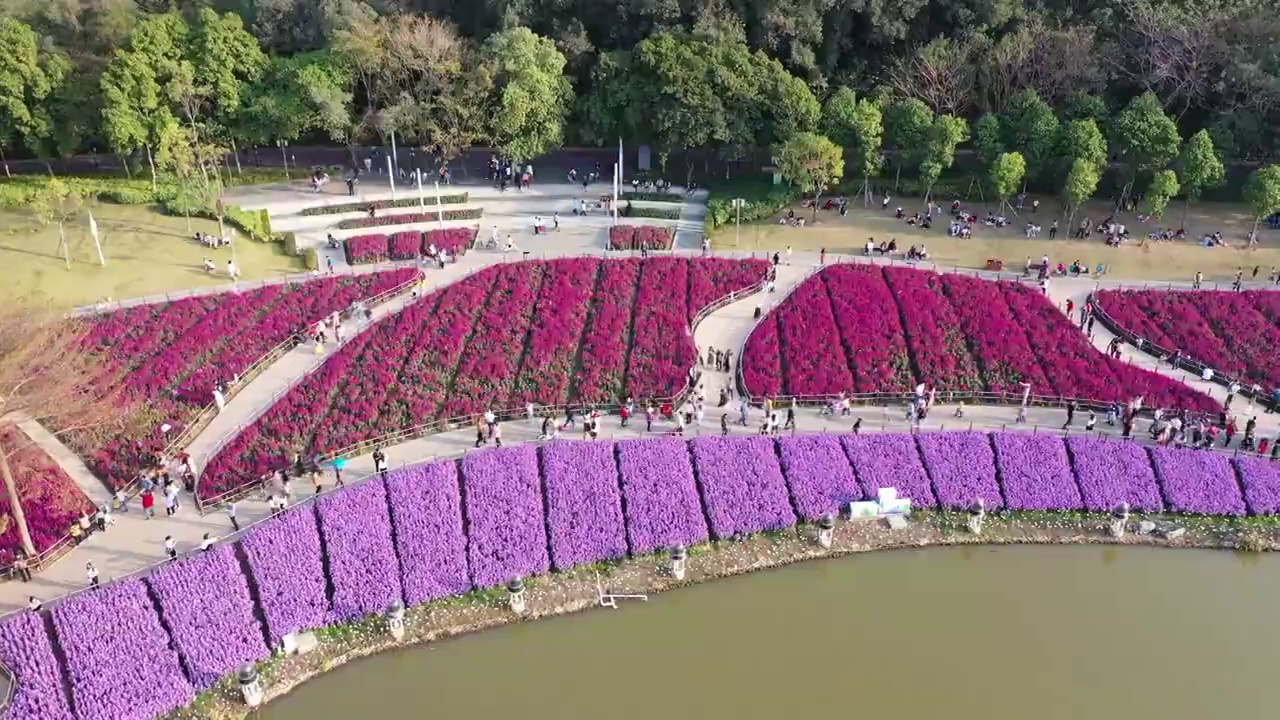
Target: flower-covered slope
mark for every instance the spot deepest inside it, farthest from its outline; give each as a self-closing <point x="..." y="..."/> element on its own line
<point x="578" y="330"/>
<point x="51" y="499"/>
<point x="868" y="329"/>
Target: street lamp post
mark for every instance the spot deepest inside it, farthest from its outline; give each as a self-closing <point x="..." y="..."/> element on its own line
<point x="284" y="156"/>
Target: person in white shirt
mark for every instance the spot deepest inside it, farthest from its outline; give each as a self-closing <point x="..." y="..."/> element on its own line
<point x="170" y="547"/>
<point x="91" y="573"/>
<point x="232" y="271"/>
<point x="207" y="543"/>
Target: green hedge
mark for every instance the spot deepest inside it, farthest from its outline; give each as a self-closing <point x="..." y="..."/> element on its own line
<point x="255" y="224"/>
<point x="454" y="199"/>
<point x="651" y="196"/>
<point x="407" y="219"/>
<point x="290" y="241"/>
<point x="20" y="190"/>
<point x="313" y="259"/>
<point x="720" y="210"/>
<point x="639" y="211"/>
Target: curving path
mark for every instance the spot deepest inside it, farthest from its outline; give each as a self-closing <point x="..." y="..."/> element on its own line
<point x="133" y="544"/>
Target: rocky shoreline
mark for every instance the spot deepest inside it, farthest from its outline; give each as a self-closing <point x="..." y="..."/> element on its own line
<point x="578" y="590"/>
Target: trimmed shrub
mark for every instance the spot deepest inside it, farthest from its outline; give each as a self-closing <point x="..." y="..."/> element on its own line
<point x="407" y="219"/>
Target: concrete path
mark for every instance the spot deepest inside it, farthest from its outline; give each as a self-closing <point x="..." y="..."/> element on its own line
<point x="70" y="463"/>
<point x="133" y="543"/>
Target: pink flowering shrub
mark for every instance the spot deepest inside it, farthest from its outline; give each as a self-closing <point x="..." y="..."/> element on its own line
<point x="51" y="499"/>
<point x="367" y="249"/>
<point x="634" y="237"/>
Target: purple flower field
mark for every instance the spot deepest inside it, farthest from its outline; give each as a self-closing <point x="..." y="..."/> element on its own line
<point x="742" y="485"/>
<point x="1198" y="482"/>
<point x="584" y="505"/>
<point x="1035" y="472"/>
<point x="285" y="559"/>
<point x="139" y="648"/>
<point x="1111" y="472"/>
<point x="119" y="657"/>
<point x="818" y="473"/>
<point x="205" y="603"/>
<point x="427" y="514"/>
<point x="961" y="467"/>
<point x="504" y="510"/>
<point x="363" y="567"/>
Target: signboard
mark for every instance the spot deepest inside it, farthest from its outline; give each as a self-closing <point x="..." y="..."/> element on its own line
<point x="863" y="510"/>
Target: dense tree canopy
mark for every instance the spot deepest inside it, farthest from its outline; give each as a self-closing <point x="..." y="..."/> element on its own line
<point x="1052" y="81"/>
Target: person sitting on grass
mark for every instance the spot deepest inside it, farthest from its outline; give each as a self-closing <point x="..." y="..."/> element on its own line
<point x="209" y="267"/>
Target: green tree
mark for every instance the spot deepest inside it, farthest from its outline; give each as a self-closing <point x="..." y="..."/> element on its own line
<point x="29" y="78"/>
<point x="1081" y="183"/>
<point x="787" y="103"/>
<point x="1201" y="169"/>
<point x="858" y="126"/>
<point x="1262" y="193"/>
<point x="1029" y="127"/>
<point x="1082" y="140"/>
<point x="987" y="141"/>
<point x="946" y="132"/>
<point x="133" y="111"/>
<point x="810" y="162"/>
<point x="906" y="123"/>
<point x="532" y="93"/>
<point x="1007" y="173"/>
<point x="1083" y="106"/>
<point x="1163" y="188"/>
<point x="296" y="95"/>
<point x="1146" y="138"/>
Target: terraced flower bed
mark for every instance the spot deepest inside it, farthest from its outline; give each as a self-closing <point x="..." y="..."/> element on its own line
<point x="860" y="328"/>
<point x="636" y="237"/>
<point x="578" y="331"/>
<point x="49" y="496"/>
<point x="1236" y="334"/>
<point x="529" y="509"/>
<point x="338" y="209"/>
<point x="169" y="356"/>
<point x="407" y="245"/>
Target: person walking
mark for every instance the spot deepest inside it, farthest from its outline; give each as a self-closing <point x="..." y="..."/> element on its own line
<point x="648" y="418"/>
<point x="170" y="547"/>
<point x="380" y="463"/>
<point x="170" y="502"/>
<point x="339" y="464"/>
<point x="148" y="504"/>
<point x="206" y="543"/>
<point x="480" y="434"/>
<point x="231" y="515"/>
<point x="91" y="573"/>
<point x="497" y="435"/>
<point x="1071" y="414"/>
<point x="22" y="567"/>
<point x="724" y="425"/>
<point x="791" y="419"/>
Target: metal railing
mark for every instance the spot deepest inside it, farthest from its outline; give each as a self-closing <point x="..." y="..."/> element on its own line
<point x="444" y="424"/>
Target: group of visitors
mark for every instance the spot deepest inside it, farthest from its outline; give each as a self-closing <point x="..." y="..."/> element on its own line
<point x="504" y="171"/>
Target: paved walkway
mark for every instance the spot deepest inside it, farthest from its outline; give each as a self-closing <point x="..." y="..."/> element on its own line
<point x="134" y="543"/>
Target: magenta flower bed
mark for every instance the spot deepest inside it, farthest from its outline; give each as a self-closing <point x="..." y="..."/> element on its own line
<point x="813" y="364"/>
<point x="1196" y="481"/>
<point x="119" y="658"/>
<point x="500" y="338"/>
<point x="663" y="508"/>
<point x="742" y="485"/>
<point x="1110" y="472"/>
<point x="508" y="534"/>
<point x="584" y="504"/>
<point x="367" y="249"/>
<point x="49" y="496"/>
<point x="363" y="568"/>
<point x="995" y="336"/>
<point x="1035" y="472"/>
<point x="205" y="604"/>
<point x="933" y="331"/>
<point x="609" y="323"/>
<point x="882" y="460"/>
<point x="455" y="240"/>
<point x="962" y="468"/>
<point x="288" y="570"/>
<point x="1236" y="334"/>
<point x="556" y="332"/>
<point x="634" y="237"/>
<point x="25" y="649"/>
<point x="662" y="349"/>
<point x="870" y="330"/>
<point x="818" y="474"/>
<point x="710" y="276"/>
<point x="426" y="512"/>
<point x="489" y="365"/>
<point x="173" y="354"/>
<point x="1261" y="481"/>
<point x="406" y="245"/>
<point x="960" y="334"/>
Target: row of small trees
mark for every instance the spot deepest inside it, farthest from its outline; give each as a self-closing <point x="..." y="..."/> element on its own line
<point x="1025" y="142"/>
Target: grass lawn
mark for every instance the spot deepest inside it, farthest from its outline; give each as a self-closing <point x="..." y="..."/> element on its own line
<point x="1154" y="261"/>
<point x="147" y="252"/>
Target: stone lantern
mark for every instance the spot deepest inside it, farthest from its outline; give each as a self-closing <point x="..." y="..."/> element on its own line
<point x="250" y="687"/>
<point x="395" y="620"/>
<point x="515" y="595"/>
<point x="1119" y="519"/>
<point x="678" y="558"/>
<point x="826" y="530"/>
<point x="977" y="513"/>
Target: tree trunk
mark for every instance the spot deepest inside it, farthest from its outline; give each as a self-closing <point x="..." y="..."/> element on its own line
<point x="816" y="197"/>
<point x="62" y="238"/>
<point x="866" y="191"/>
<point x="1186" y="207"/>
<point x="152" y="164"/>
<point x="897" y="180"/>
<point x="124" y="161"/>
<point x="235" y="153"/>
<point x="15" y="506"/>
<point x="5" y="161"/>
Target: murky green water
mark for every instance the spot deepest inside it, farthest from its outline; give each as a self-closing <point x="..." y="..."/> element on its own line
<point x="1050" y="633"/>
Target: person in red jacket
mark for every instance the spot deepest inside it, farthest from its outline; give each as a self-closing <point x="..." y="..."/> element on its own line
<point x="148" y="503"/>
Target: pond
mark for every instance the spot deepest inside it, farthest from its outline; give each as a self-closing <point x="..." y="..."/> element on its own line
<point x="1053" y="633"/>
